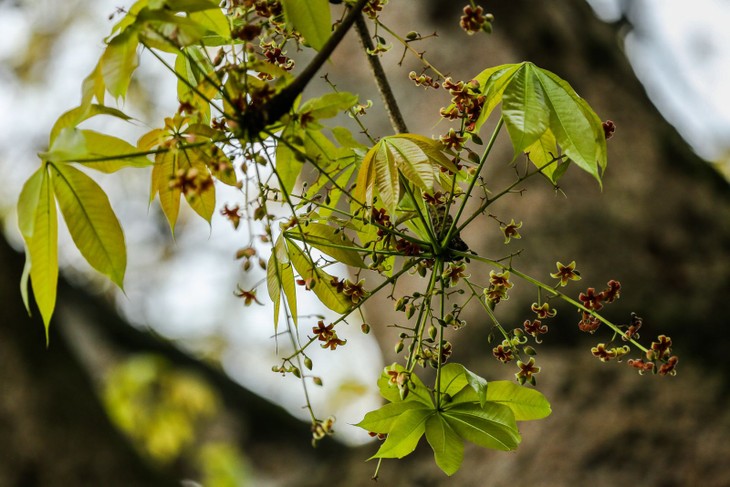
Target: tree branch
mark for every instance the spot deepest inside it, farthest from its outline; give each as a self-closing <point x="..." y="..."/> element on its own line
<point x="391" y="106"/>
<point x="253" y="122"/>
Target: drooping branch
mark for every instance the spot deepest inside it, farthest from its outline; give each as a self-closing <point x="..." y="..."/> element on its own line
<point x="391" y="106"/>
<point x="253" y="122"/>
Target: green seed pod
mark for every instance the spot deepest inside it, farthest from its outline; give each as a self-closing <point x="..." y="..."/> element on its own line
<point x="317" y="381"/>
<point x="365" y="328"/>
<point x="308" y="363"/>
<point x="432" y="331"/>
<point x="529" y="350"/>
<point x="410" y="309"/>
<point x="297" y="373"/>
<point x="412" y="35"/>
<point x="399" y="346"/>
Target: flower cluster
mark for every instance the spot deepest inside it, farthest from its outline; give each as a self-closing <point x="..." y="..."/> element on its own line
<point x="374" y="7"/>
<point x="499" y="284"/>
<point x="320" y="429"/>
<point x="474" y="20"/>
<point x="660" y="351"/>
<point x="605" y="354"/>
<point x="467" y="101"/>
<point x="423" y="80"/>
<point x="327" y="334"/>
<point x="593" y="301"/>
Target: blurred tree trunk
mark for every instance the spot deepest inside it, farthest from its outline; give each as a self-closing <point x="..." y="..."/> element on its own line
<point x="663" y="219"/>
<point x="54" y="430"/>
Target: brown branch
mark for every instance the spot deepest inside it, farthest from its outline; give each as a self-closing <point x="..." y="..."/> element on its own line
<point x="391" y="106"/>
<point x="253" y="122"/>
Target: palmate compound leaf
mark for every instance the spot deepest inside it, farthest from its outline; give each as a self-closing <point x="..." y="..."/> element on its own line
<point x="311" y="18"/>
<point x="536" y="102"/>
<point x="91" y="221"/>
<point x="38" y="224"/>
<point x="417" y="158"/>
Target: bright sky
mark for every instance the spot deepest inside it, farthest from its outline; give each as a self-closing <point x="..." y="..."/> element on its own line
<point x="681" y="52"/>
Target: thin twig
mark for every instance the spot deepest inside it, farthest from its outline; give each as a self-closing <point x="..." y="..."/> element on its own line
<point x="391" y="106"/>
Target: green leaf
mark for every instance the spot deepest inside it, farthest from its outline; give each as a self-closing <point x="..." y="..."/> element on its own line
<point x="493" y="82"/>
<point x="447" y="446"/>
<point x="574" y="124"/>
<point x="215" y="21"/>
<point x="336" y="245"/>
<point x="543" y="153"/>
<point x="280" y="276"/>
<point x="38" y="224"/>
<point x="334" y="191"/>
<point x="168" y="32"/>
<point x="326" y="106"/>
<point x="288" y="163"/>
<point x="382" y="420"/>
<point x="311" y="18"/>
<point x="403" y="437"/>
<point x="323" y="288"/>
<point x="524" y="109"/>
<point x="119" y="62"/>
<point x="455" y="377"/>
<point x="525" y="403"/>
<point x="492" y="426"/>
<point x="92" y="223"/>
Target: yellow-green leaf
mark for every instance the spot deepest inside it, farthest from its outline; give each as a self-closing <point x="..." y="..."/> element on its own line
<point x="335" y="244"/>
<point x="163" y="172"/>
<point x="98" y="151"/>
<point x="543" y="153"/>
<point x="524" y="109"/>
<point x="39" y="226"/>
<point x="280" y="276"/>
<point x="322" y="281"/>
<point x="118" y="62"/>
<point x="91" y="221"/>
<point x="311" y="18"/>
<point x="77" y="115"/>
